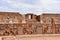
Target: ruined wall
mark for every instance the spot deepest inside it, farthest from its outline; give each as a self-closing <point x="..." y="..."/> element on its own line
<point x="30" y="17"/>
<point x="52" y="22"/>
<point x="13" y="24"/>
<point x="10" y="18"/>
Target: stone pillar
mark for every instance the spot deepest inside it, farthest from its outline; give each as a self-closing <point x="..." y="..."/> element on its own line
<point x="24" y="19"/>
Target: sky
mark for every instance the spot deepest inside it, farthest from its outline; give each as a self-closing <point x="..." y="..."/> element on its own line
<point x="30" y="6"/>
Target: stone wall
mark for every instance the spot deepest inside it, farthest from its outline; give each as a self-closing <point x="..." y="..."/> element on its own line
<point x="10" y="18"/>
<point x="19" y="29"/>
<point x="12" y="23"/>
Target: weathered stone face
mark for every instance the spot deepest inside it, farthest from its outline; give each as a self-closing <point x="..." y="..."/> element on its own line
<point x="49" y="18"/>
<point x="53" y="20"/>
<point x="11" y="24"/>
<point x="10" y="18"/>
<point x="15" y="24"/>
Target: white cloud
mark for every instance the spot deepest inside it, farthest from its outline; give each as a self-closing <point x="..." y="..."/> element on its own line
<point x="26" y="7"/>
<point x="38" y="6"/>
<point x="51" y="4"/>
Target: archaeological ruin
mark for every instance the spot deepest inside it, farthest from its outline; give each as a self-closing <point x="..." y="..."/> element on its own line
<point x="14" y="23"/>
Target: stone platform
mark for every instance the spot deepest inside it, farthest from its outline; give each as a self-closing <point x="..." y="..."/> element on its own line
<point x="32" y="37"/>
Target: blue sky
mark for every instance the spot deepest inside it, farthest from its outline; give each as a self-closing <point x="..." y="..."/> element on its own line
<point x="30" y="6"/>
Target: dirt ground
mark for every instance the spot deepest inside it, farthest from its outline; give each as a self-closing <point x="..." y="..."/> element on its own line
<point x="32" y="37"/>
